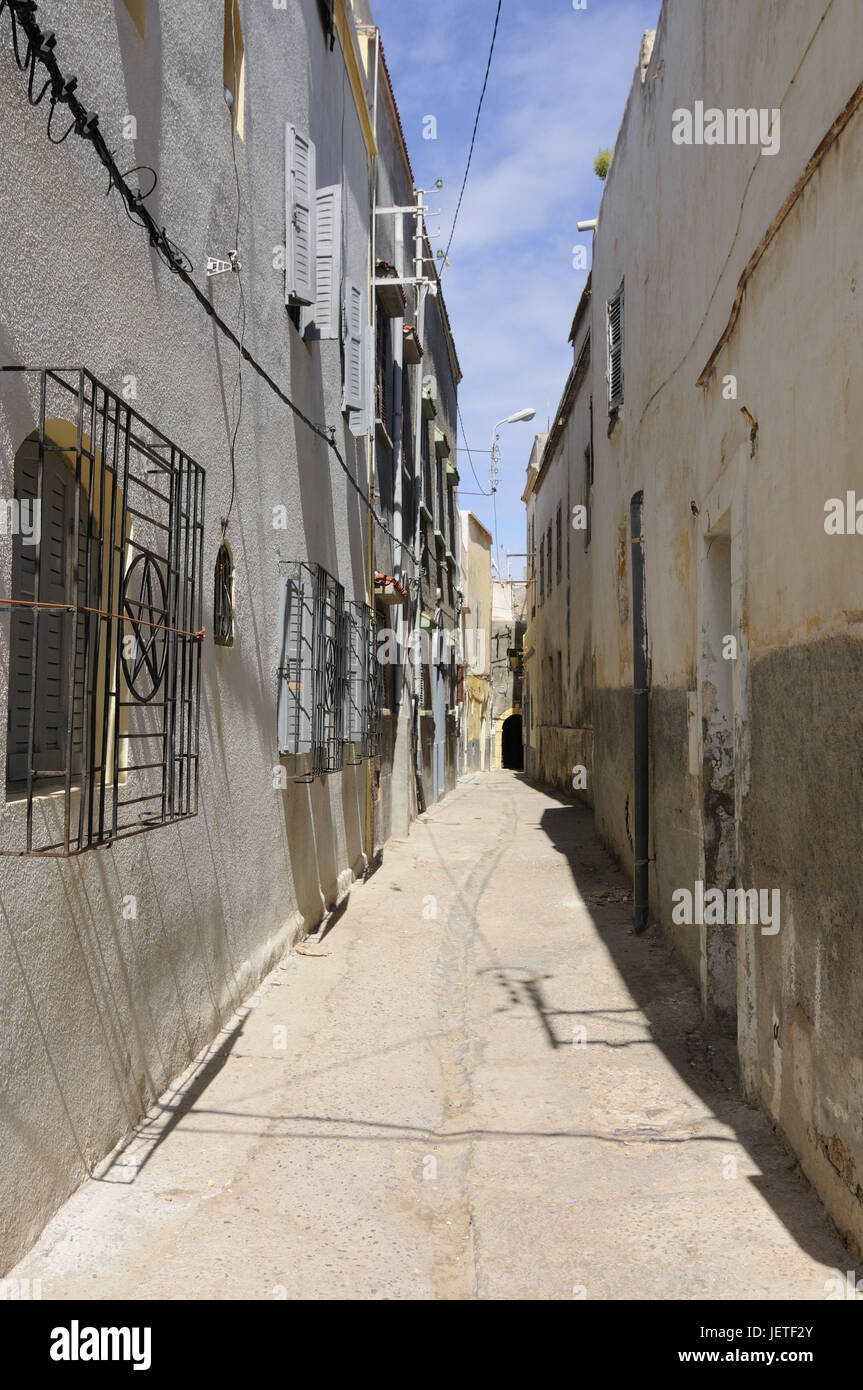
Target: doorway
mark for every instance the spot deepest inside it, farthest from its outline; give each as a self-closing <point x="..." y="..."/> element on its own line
<point x="512" y="748"/>
<point x="718" y="655"/>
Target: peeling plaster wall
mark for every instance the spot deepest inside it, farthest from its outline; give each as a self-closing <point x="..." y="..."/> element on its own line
<point x="678" y="225"/>
<point x="101" y="1013"/>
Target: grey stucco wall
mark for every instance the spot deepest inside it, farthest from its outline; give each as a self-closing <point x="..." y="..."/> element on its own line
<point x="100" y="1013"/>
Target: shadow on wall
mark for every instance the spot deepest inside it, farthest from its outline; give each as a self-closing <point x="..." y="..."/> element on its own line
<point x="141" y="56"/>
<point x="671" y="1004"/>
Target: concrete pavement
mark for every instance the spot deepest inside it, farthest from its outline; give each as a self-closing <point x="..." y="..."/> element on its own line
<point x="478" y="1084"/>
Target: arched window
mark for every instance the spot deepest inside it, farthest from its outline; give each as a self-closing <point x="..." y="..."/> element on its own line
<point x="223" y="598"/>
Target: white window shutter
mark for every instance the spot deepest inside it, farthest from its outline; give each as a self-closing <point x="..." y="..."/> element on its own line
<point x="321" y="320"/>
<point x="354" y="312"/>
<point x="300" y="218"/>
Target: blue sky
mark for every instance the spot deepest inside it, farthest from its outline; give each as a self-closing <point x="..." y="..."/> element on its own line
<point x="557" y="89"/>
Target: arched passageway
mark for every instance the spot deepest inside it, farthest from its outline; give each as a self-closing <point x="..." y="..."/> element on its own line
<point x="512" y="749"/>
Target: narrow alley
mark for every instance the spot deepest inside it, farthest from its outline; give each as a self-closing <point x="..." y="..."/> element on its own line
<point x="477" y="1084"/>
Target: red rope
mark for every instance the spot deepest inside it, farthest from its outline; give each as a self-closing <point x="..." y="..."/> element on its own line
<point x="103" y="613"/>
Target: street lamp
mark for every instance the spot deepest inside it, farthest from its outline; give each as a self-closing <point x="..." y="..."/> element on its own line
<point x="516" y="419"/>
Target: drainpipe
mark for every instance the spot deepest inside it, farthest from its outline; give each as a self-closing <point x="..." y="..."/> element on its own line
<point x="640" y="710"/>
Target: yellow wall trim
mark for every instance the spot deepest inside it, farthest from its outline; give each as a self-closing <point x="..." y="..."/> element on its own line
<point x="348" y="41"/>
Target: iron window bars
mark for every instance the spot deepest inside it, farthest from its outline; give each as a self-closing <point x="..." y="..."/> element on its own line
<point x="105" y="649"/>
<point x="363" y="687"/>
<point x="311" y="694"/>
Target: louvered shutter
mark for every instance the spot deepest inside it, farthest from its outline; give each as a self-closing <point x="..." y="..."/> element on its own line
<point x="296" y="669"/>
<point x="56" y="560"/>
<point x="354" y="337"/>
<point x="363" y="420"/>
<point x="615" y="350"/>
<point x="321" y="320"/>
<point x="300" y="218"/>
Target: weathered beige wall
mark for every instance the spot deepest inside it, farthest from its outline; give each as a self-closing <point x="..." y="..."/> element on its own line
<point x="756" y="774"/>
<point x="679" y="224"/>
<point x="475" y="571"/>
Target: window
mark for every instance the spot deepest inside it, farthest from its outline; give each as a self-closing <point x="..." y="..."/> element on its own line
<point x="311" y="698"/>
<point x="425" y="449"/>
<point x="105" y="636"/>
<point x="548" y="554"/>
<point x="382" y="361"/>
<point x="300" y="219"/>
<point x="322" y="319"/>
<point x="223" y="597"/>
<point x="588" y="484"/>
<point x="559" y="528"/>
<point x="234" y="64"/>
<point x="440" y="513"/>
<point x="541" y="569"/>
<point x="614" y="320"/>
<point x="363" y="684"/>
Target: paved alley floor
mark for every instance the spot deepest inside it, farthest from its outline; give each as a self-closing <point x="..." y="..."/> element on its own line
<point x="478" y="1084"/>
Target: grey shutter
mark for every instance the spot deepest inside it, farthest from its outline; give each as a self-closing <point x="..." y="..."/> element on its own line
<point x="55" y="560"/>
<point x="615" y="350"/>
<point x="363" y="421"/>
<point x="322" y="318"/>
<point x="300" y="217"/>
<point x="354" y="337"/>
<point x="296" y="668"/>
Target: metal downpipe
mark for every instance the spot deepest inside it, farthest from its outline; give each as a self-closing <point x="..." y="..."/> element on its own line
<point x="640" y="906"/>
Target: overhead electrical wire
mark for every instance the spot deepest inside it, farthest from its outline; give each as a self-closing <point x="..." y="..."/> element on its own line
<point x="40" y="48"/>
<point x="473" y="138"/>
<point x="238" y="385"/>
<point x="482" y="493"/>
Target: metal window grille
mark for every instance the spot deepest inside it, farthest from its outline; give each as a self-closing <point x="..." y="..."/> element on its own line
<point x="559" y="528"/>
<point x="363" y="686"/>
<point x="541" y="569"/>
<point x="223" y="598"/>
<point x="614" y="321"/>
<point x="312" y="669"/>
<point x="105" y="633"/>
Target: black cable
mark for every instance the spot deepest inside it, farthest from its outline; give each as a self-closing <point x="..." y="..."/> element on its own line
<point x="86" y="124"/>
<point x="470" y="460"/>
<point x="238" y="385"/>
<point x="473" y="137"/>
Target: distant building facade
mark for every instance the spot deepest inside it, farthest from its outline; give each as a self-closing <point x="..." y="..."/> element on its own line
<point x="508" y="624"/>
<point x="476" y="626"/>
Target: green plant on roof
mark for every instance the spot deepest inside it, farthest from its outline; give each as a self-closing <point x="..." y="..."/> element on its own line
<point x="601" y="162"/>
